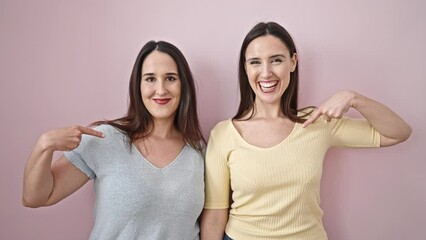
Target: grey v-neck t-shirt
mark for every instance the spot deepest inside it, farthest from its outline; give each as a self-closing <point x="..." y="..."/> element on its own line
<point x="135" y="199"/>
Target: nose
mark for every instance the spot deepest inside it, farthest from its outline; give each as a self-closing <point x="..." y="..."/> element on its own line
<point x="266" y="71"/>
<point x="161" y="88"/>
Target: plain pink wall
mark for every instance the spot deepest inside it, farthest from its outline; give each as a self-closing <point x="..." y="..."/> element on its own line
<point x="65" y="62"/>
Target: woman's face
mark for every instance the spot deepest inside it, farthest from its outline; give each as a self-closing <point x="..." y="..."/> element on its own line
<point x="268" y="66"/>
<point x="160" y="85"/>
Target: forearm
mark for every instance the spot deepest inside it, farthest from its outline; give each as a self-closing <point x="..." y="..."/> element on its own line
<point x="38" y="178"/>
<point x="213" y="223"/>
<point x="391" y="126"/>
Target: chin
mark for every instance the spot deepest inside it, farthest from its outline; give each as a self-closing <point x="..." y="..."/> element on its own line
<point x="163" y="116"/>
<point x="270" y="100"/>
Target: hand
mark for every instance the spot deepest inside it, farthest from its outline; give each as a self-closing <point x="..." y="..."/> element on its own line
<point x="334" y="107"/>
<point x="66" y="139"/>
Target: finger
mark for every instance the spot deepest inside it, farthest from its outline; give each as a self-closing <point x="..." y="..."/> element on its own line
<point x="336" y="114"/>
<point x="326" y="117"/>
<point x="72" y="147"/>
<point x="90" y="131"/>
<point x="315" y="115"/>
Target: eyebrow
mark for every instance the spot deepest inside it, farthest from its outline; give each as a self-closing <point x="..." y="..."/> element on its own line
<point x="167" y="74"/>
<point x="273" y="56"/>
<point x="277" y="55"/>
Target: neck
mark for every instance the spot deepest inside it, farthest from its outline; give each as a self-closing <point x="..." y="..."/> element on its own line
<point x="266" y="110"/>
<point x="164" y="129"/>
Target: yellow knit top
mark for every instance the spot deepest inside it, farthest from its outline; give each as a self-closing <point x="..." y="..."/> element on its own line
<point x="274" y="193"/>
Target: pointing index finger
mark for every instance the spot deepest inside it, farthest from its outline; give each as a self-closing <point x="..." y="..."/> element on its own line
<point x="92" y="132"/>
<point x="315" y="115"/>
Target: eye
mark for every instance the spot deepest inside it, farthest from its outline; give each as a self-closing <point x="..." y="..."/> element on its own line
<point x="171" y="78"/>
<point x="276" y="61"/>
<point x="150" y="79"/>
<point x="254" y="62"/>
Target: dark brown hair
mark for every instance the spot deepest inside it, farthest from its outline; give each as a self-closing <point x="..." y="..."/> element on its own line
<point x="138" y="122"/>
<point x="247" y="95"/>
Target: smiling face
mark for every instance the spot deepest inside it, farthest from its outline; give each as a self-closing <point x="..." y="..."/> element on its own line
<point x="268" y="66"/>
<point x="160" y="86"/>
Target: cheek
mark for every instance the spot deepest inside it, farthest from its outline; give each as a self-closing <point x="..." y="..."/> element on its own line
<point x="143" y="91"/>
<point x="146" y="91"/>
<point x="177" y="89"/>
<point x="251" y="74"/>
<point x="285" y="72"/>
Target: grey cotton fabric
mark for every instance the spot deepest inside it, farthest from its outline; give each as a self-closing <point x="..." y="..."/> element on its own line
<point x="135" y="199"/>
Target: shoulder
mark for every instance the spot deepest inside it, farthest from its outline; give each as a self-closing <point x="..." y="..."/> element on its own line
<point x="221" y="128"/>
<point x="112" y="134"/>
<point x="90" y="145"/>
<point x="193" y="153"/>
<point x="108" y="129"/>
<point x="223" y="136"/>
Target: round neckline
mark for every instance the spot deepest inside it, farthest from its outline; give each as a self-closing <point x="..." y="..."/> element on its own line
<point x="241" y="138"/>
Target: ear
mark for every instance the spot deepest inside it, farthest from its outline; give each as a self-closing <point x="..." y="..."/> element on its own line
<point x="294" y="62"/>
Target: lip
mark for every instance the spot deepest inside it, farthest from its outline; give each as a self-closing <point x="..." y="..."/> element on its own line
<point x="268" y="86"/>
<point x="162" y="101"/>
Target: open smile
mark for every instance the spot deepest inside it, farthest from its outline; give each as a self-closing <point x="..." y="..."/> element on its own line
<point x="268" y="86"/>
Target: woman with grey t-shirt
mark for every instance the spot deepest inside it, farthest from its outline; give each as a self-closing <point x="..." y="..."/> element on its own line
<point x="147" y="166"/>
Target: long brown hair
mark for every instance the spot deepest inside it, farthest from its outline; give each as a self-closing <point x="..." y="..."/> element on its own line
<point x="247" y="95"/>
<point x="138" y="122"/>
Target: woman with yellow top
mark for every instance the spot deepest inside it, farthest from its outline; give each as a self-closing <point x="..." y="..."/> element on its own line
<point x="264" y="166"/>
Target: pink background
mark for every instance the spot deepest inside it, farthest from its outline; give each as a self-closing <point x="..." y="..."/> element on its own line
<point x="66" y="62"/>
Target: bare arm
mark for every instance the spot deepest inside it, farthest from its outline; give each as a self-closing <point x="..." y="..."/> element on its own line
<point x="46" y="183"/>
<point x="213" y="223"/>
<point x="392" y="128"/>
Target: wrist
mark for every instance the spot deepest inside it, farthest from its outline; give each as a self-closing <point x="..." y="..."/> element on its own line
<point x="44" y="144"/>
<point x="355" y="99"/>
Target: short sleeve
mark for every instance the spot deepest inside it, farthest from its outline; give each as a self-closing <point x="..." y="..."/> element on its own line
<point x="350" y="132"/>
<point x="75" y="158"/>
<point x="217" y="171"/>
<point x="84" y="157"/>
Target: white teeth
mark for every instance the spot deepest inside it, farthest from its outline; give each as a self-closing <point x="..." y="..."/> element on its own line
<point x="267" y="84"/>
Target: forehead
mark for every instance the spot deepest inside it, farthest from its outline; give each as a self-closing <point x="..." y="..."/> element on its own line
<point x="265" y="46"/>
<point x="159" y="62"/>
